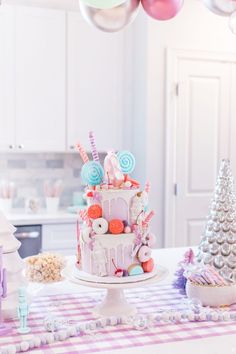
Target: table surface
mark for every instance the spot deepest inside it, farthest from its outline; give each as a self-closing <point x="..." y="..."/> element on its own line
<point x="169" y="259"/>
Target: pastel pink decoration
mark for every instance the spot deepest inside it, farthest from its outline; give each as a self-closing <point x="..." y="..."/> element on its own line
<point x="207" y="276"/>
<point x="83" y="153"/>
<point x="84" y="217"/>
<point x="144" y="254"/>
<point x="115" y="209"/>
<point x="100" y="226"/>
<point x="150" y="239"/>
<point x="149" y="217"/>
<point x="162" y="9"/>
<point x="112" y="170"/>
<point x="78" y="232"/>
<point x="147" y="187"/>
<point x="127" y="230"/>
<point x="93" y="147"/>
<point x="83" y="214"/>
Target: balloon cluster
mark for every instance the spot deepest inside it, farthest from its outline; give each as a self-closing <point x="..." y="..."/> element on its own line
<point x="114" y="15"/>
<point x="223" y="8"/>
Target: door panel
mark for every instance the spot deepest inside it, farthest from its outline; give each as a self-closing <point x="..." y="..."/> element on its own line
<point x="202" y="139"/>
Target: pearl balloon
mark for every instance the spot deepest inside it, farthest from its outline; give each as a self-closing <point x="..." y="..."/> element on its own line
<point x="110" y="19"/>
<point x="221" y="7"/>
<point x="103" y="4"/>
<point x="162" y="9"/>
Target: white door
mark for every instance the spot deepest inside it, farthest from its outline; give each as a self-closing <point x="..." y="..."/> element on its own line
<point x="202" y="138"/>
<point x="7" y="62"/>
<point x="95" y="85"/>
<point x="40" y="79"/>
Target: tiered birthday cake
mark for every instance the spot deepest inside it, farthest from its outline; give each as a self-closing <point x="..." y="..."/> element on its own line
<point x="115" y="239"/>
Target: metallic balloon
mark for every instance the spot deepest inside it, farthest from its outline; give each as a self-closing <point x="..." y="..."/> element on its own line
<point x="221" y="7"/>
<point x="113" y="19"/>
<point x="162" y="9"/>
<point x="232" y="22"/>
<point x="103" y="4"/>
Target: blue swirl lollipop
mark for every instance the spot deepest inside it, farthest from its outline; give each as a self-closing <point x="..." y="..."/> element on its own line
<point x="127" y="161"/>
<point x="92" y="173"/>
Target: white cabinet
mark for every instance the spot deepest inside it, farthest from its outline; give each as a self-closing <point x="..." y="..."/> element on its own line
<point x="59" y="78"/>
<point x="40" y="79"/>
<point x="59" y="238"/>
<point x="33" y="68"/>
<point x="7" y="109"/>
<point x="95" y="85"/>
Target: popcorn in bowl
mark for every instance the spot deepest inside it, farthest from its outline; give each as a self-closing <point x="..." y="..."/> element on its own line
<point x="45" y="267"/>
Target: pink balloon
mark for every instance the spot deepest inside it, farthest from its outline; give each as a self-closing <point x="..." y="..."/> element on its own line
<point x="162" y="9"/>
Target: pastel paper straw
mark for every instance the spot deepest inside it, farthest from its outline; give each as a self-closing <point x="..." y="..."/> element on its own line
<point x="83" y="214"/>
<point x="93" y="147"/>
<point x="82" y="153"/>
<point x="78" y="232"/>
<point x="149" y="217"/>
<point x="217" y="275"/>
<point x="147" y="187"/>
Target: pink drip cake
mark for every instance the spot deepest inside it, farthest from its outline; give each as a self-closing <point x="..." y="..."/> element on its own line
<point x="114" y="238"/>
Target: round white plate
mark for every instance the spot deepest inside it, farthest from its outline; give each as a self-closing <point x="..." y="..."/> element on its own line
<point x="113" y="280"/>
<point x="72" y="273"/>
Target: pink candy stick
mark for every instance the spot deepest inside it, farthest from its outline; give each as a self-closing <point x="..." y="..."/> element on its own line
<point x="78" y="232"/>
<point x="209" y="278"/>
<point x="149" y="217"/>
<point x="147" y="187"/>
<point x="82" y="153"/>
<point x="217" y="275"/>
<point x="197" y="279"/>
<point x="93" y="147"/>
<point x="83" y="214"/>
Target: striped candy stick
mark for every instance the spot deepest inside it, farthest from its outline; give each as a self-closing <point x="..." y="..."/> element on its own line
<point x="147" y="187"/>
<point x="82" y="153"/>
<point x="78" y="232"/>
<point x="93" y="147"/>
<point x="83" y="214"/>
<point x="84" y="217"/>
<point x="149" y="217"/>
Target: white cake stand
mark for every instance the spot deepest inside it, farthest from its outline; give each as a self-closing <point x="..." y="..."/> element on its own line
<point x="114" y="302"/>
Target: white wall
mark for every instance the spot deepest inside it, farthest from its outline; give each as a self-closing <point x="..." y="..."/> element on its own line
<point x="194" y="28"/>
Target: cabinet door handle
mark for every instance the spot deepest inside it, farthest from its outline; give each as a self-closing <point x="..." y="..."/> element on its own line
<point x="72" y="147"/>
<point x="24" y="235"/>
<point x="21" y="146"/>
<point x="11" y="146"/>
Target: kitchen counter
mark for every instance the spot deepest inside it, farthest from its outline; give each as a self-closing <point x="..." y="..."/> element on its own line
<point x="21" y="218"/>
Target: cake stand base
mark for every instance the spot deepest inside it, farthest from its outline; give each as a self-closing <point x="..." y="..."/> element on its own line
<point x="113" y="303"/>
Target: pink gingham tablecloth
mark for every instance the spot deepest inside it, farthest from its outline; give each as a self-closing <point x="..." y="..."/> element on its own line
<point x="77" y="308"/>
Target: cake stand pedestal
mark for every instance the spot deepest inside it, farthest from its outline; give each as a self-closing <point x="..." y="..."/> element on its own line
<point x="114" y="302"/>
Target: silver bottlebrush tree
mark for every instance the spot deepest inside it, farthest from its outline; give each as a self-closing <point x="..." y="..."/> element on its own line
<point x="218" y="244"/>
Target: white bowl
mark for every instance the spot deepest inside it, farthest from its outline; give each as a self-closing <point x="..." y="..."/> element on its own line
<point x="213" y="296"/>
